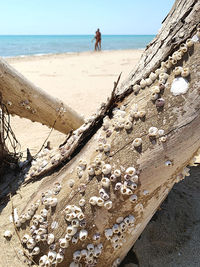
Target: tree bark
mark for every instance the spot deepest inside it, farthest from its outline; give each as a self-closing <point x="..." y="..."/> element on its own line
<point x="26" y="100"/>
<point x="159" y="162"/>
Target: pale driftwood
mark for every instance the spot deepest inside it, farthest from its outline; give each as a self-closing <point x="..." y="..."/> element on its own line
<point x="180" y="119"/>
<point x="26" y="100"/>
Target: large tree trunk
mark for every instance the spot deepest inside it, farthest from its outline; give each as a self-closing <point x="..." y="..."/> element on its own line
<point x="28" y="101"/>
<point x="160" y="161"/>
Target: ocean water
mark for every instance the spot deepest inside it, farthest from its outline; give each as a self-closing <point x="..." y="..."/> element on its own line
<point x="24" y="45"/>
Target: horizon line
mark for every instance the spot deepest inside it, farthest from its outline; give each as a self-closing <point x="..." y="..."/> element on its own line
<point x="66" y="34"/>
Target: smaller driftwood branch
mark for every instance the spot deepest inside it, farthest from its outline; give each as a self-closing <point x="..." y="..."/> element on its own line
<point x="26" y="100"/>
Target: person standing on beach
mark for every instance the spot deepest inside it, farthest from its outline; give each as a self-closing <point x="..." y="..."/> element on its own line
<point x="97" y="45"/>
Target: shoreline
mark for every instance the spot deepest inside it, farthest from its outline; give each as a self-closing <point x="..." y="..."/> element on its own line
<point x="57" y="55"/>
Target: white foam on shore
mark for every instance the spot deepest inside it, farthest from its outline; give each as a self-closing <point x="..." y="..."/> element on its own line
<point x="68" y="53"/>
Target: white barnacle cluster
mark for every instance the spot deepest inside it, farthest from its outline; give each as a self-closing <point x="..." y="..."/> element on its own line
<point x="48" y="198"/>
<point x="39" y="229"/>
<point x="44" y="160"/>
<point x="136" y="113"/>
<point x="118" y="118"/>
<point x="25" y="217"/>
<point x="117" y="234"/>
<point x="81" y="168"/>
<point x="122" y="119"/>
<point x="124" y="183"/>
<point x="154" y="132"/>
<point x="26" y="105"/>
<point x="76" y="223"/>
<point x="104" y="147"/>
<point x="88" y="255"/>
<point x="157" y="81"/>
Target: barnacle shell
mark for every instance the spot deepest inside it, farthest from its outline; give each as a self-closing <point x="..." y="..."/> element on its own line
<point x="185" y="72"/>
<point x="30" y="243"/>
<point x="137" y="142"/>
<point x="153" y="131"/>
<point x="105" y="182"/>
<point x="133" y="198"/>
<point x="7" y="234"/>
<point x="143" y="83"/>
<point x="155" y="89"/>
<point x="154" y="96"/>
<point x="59" y="258"/>
<point x="100" y="202"/>
<point x="141" y="113"/>
<point x="106" y="169"/>
<point x="128" y="125"/>
<point x="178" y="70"/>
<point x="93" y="200"/>
<point x="163" y="76"/>
<point x="131" y="171"/>
<point x="43" y="260"/>
<point x="160" y="102"/>
<point x="113" y="178"/>
<point x="118" y="186"/>
<point x="117" y="173"/>
<point x="136" y="88"/>
<point x="63" y="243"/>
<point x="183" y="48"/>
<point x="125" y="191"/>
<point x="163" y="139"/>
<point x="82" y="202"/>
<point x="52" y="256"/>
<point x="77" y="255"/>
<point x="36" y="251"/>
<point x="83" y="234"/>
<point x="90" y="170"/>
<point x="168" y="163"/>
<point x="168" y="63"/>
<point x="50" y="239"/>
<point x="148" y="81"/>
<point x="108" y="204"/>
<point x="71" y="230"/>
<point x="106" y="148"/>
<point x="82" y="164"/>
<point x="152" y="76"/>
<point x="108" y="233"/>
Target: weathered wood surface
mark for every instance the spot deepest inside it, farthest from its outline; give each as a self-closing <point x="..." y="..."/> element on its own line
<point x="158" y="164"/>
<point x="176" y="28"/>
<point x="26" y="100"/>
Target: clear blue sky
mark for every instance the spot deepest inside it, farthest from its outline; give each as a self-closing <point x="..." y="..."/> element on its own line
<point x="82" y="16"/>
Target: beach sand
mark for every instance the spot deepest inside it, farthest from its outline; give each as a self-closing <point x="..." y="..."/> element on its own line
<point x="81" y="80"/>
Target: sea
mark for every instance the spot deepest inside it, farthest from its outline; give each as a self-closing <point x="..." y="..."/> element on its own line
<point x="25" y="45"/>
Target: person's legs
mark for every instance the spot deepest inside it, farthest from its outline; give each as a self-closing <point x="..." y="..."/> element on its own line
<point x="96" y="46"/>
<point x="99" y="44"/>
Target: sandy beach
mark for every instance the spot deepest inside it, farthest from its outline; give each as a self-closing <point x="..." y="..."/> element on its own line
<point x="82" y="80"/>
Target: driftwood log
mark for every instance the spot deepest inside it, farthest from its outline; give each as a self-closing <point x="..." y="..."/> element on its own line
<point x="26" y="100"/>
<point x="116" y="156"/>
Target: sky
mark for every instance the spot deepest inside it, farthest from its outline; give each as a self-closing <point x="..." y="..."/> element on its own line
<point x="82" y="16"/>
